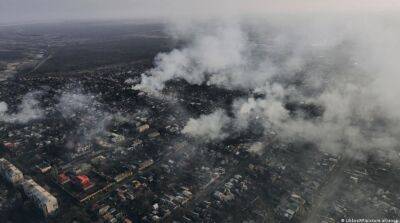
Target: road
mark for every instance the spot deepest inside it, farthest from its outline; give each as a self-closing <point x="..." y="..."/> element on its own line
<point x="327" y="191"/>
<point x="41" y="63"/>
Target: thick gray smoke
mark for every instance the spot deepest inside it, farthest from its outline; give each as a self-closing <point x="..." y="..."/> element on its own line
<point x="27" y="110"/>
<point x="345" y="69"/>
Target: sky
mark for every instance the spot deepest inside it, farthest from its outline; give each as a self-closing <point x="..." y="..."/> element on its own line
<point x="26" y="11"/>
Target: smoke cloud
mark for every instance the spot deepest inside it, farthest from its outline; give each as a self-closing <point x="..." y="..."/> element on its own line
<point x="208" y="127"/>
<point x="215" y="56"/>
<point x="72" y="104"/>
<point x="27" y="110"/>
<point x="332" y="82"/>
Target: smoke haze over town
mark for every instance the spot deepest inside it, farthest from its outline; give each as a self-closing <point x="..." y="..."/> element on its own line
<point x="199" y="111"/>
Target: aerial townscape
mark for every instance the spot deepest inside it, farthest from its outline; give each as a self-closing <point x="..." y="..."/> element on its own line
<point x="270" y="112"/>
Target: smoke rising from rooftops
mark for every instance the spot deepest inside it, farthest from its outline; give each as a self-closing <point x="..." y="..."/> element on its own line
<point x="208" y="127"/>
<point x="333" y="82"/>
<point x="27" y="110"/>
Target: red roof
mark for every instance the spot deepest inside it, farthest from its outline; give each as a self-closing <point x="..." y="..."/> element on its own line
<point x="82" y="177"/>
<point x="9" y="145"/>
<point x="83" y="180"/>
<point x="62" y="178"/>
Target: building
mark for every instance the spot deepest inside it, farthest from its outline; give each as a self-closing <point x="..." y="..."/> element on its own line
<point x="43" y="167"/>
<point x="120" y="177"/>
<point x="146" y="164"/>
<point x="116" y="138"/>
<point x="290" y="207"/>
<point x="46" y="202"/>
<point x="82" y="148"/>
<point x="82" y="181"/>
<point x="143" y="128"/>
<point x="154" y="134"/>
<point x="63" y="178"/>
<point x="10" y="145"/>
<point x="81" y="169"/>
<point x="11" y="173"/>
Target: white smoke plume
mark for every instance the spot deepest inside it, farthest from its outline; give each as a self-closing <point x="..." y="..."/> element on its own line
<point x="208" y="127"/>
<point x="71" y="104"/>
<point x="3" y="107"/>
<point x="348" y="68"/>
<point x="256" y="148"/>
<point x="219" y="57"/>
<point x="28" y="110"/>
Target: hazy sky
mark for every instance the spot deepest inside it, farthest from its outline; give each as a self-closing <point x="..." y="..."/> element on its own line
<point x="24" y="11"/>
